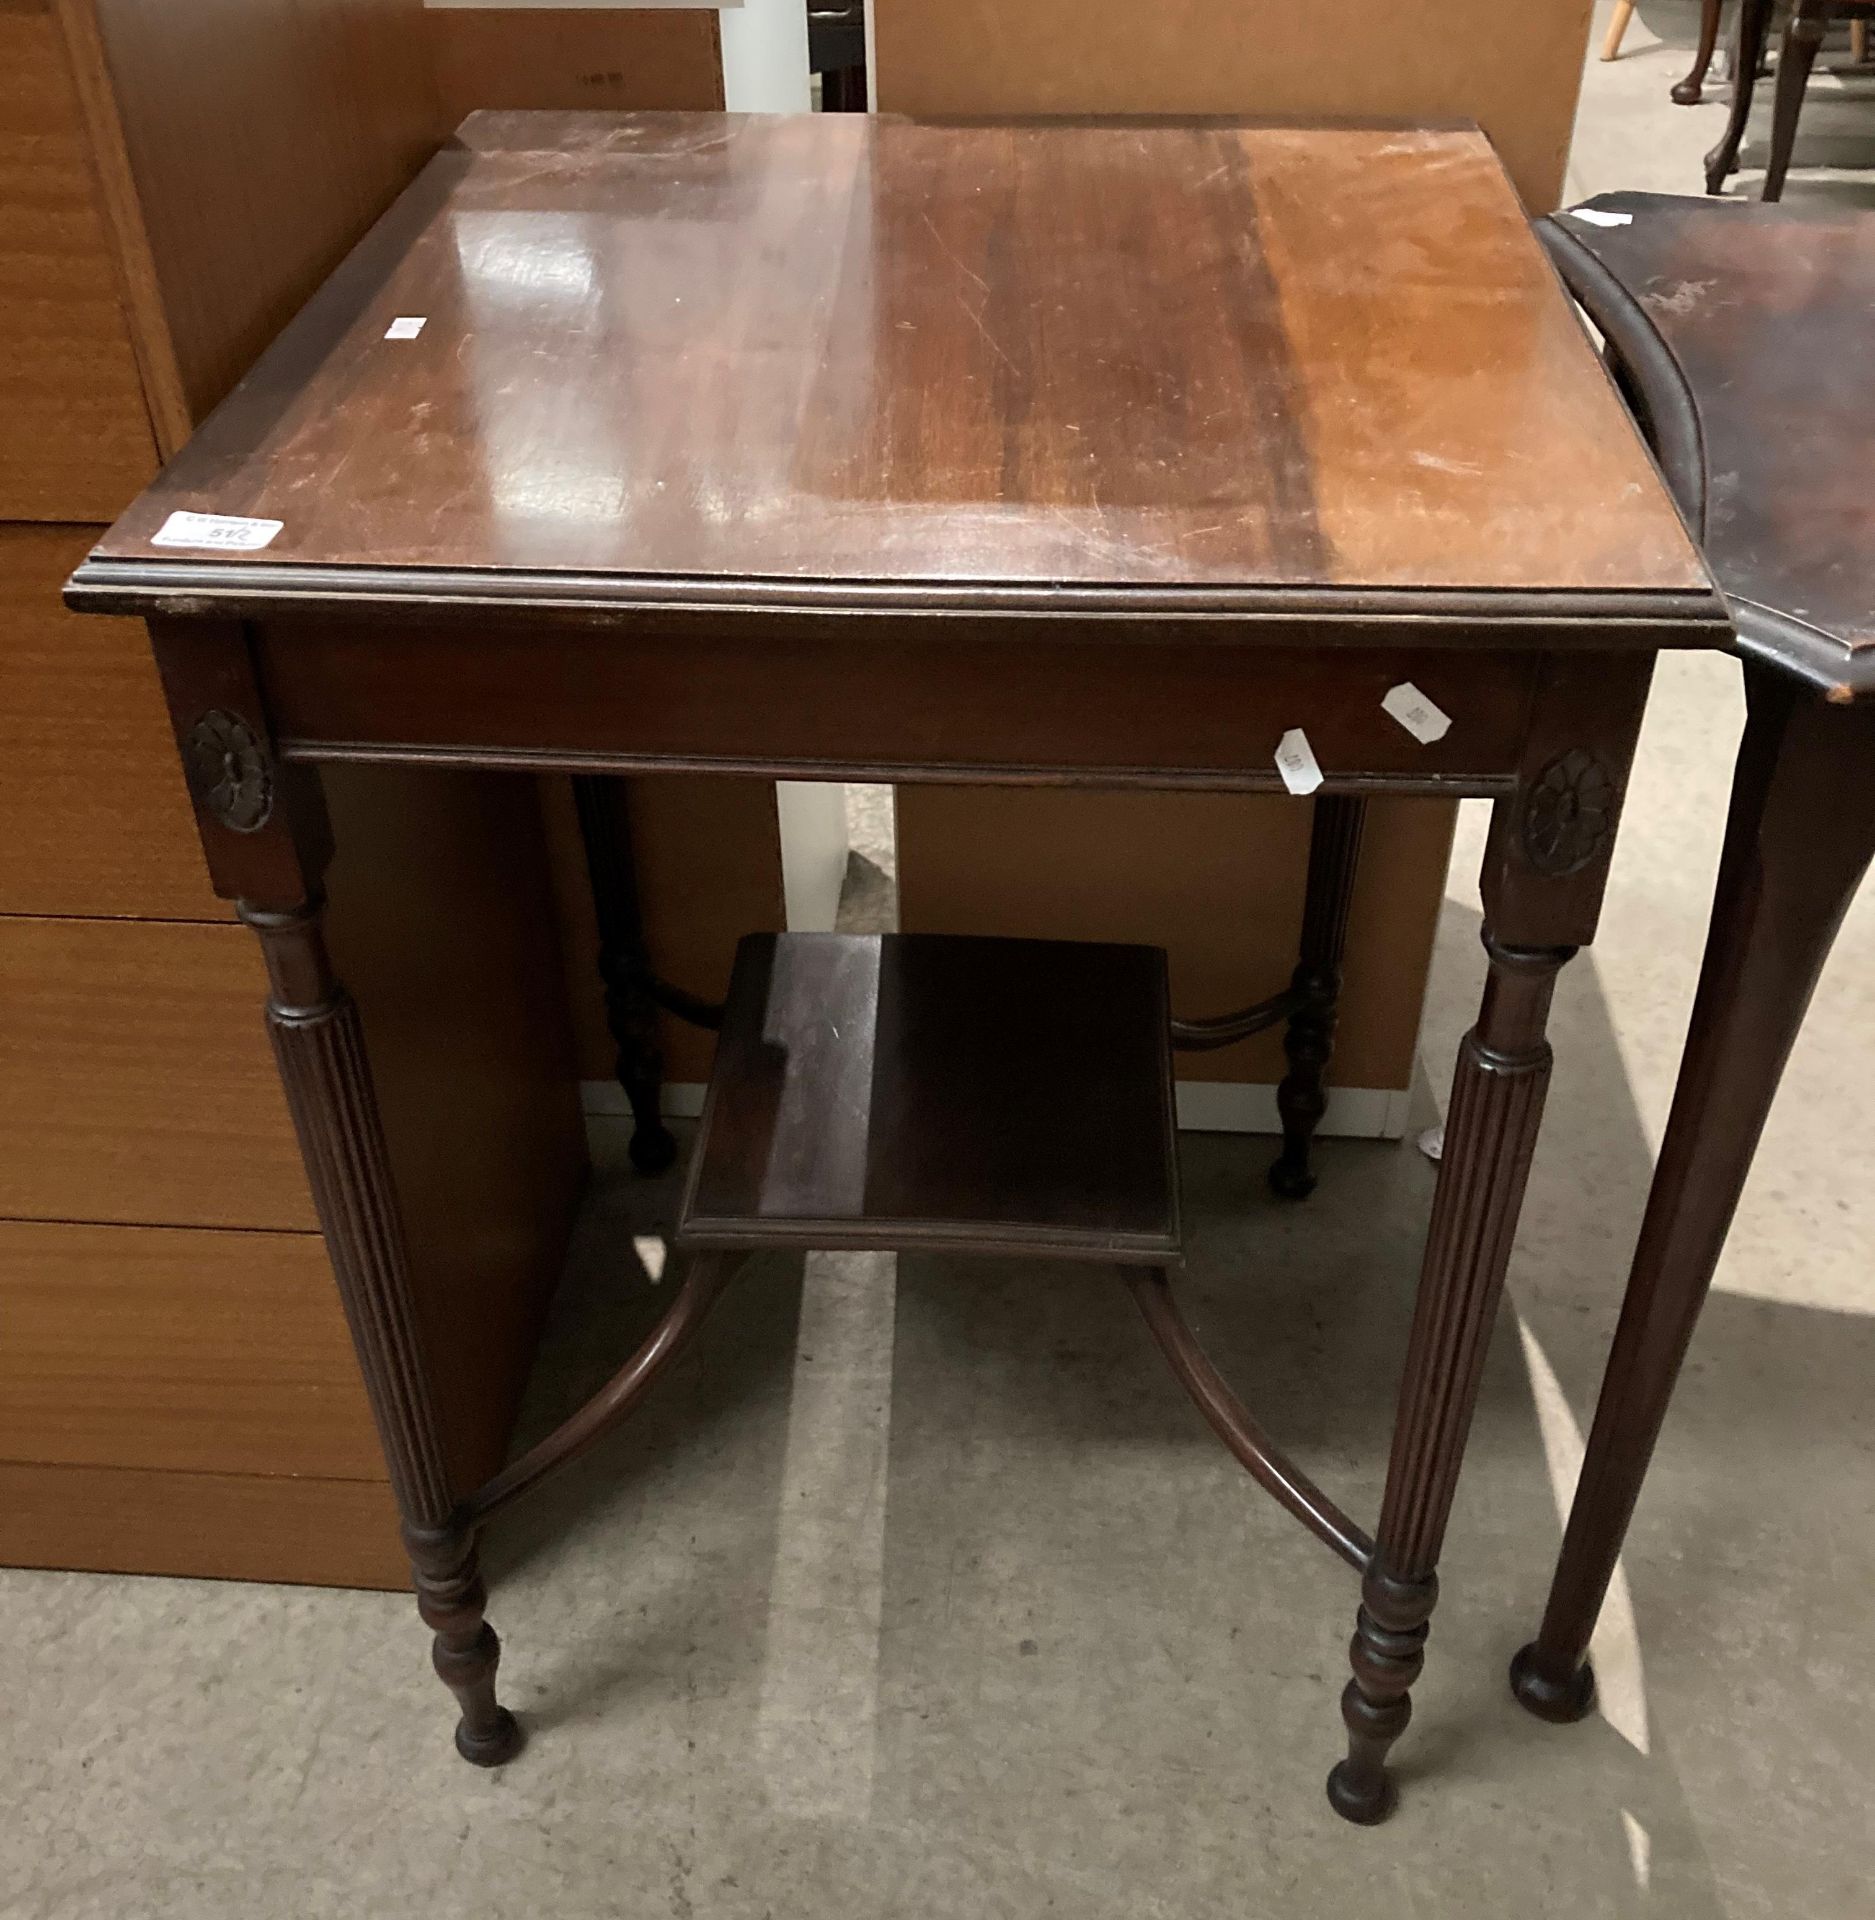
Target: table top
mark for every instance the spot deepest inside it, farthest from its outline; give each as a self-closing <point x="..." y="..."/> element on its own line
<point x="1764" y="313"/>
<point x="848" y="359"/>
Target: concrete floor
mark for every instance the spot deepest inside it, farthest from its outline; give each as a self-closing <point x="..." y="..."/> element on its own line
<point x="934" y="1598"/>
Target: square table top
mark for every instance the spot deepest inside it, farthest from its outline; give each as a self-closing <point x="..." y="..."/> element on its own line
<point x="845" y="356"/>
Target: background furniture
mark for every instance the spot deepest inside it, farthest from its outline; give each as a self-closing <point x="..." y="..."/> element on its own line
<point x="1123" y="616"/>
<point x="1094" y="866"/>
<point x="1687" y="92"/>
<point x="177" y="1392"/>
<point x="1808" y="23"/>
<point x="1735" y="331"/>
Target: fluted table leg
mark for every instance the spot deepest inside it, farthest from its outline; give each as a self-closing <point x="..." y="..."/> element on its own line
<point x="1490" y="1134"/>
<point x="319" y="1043"/>
<point x="1545" y="870"/>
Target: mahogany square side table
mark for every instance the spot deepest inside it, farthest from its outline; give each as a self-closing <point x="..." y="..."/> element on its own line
<point x="859" y="448"/>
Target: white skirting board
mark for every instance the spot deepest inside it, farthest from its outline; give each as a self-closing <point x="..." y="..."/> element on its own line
<point x="1204" y="1106"/>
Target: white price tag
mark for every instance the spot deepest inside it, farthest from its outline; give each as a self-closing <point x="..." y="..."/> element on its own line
<point x="1596" y="217"/>
<point x="1295" y="761"/>
<point x="1416" y="713"/>
<point x="407" y="328"/>
<point x="216" y="532"/>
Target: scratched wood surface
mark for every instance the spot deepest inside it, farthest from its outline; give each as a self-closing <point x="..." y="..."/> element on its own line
<point x="848" y="348"/>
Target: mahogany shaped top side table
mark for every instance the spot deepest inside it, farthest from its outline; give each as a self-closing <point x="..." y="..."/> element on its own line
<point x="862" y="448"/>
<point x="1740" y="333"/>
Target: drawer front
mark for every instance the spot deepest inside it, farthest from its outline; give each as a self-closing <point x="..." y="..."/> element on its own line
<point x="827" y="699"/>
<point x="94" y="818"/>
<point x="140" y="1087"/>
<point x="213" y="1526"/>
<point x="177" y="1349"/>
<point x="77" y="443"/>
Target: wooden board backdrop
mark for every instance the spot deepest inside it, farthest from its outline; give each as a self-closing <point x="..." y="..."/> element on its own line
<point x="1227" y="903"/>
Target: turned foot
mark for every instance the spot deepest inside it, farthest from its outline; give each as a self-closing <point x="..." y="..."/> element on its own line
<point x="1364" y="1798"/>
<point x="653" y="1146"/>
<point x="491" y="1746"/>
<point x="1290" y="1174"/>
<point x="1559" y="1701"/>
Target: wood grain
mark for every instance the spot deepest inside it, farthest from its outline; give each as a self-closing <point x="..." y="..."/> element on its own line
<point x="575" y="57"/>
<point x="105" y="830"/>
<point x="76" y="444"/>
<point x="213" y="1526"/>
<point x="1092" y="866"/>
<point x="244" y="145"/>
<point x="832" y="349"/>
<point x="442" y="919"/>
<point x="164" y="1348"/>
<point x="139" y="1085"/>
<point x="1514" y="68"/>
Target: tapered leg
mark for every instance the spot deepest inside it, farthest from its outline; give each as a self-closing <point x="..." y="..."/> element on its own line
<point x="1687" y="92"/>
<point x="319" y="1043"/>
<point x="1799" y="838"/>
<point x="631" y="1010"/>
<point x="1490" y="1134"/>
<point x="1309" y="1043"/>
<point x="1618" y="24"/>
<point x="1803" y="39"/>
<point x="1754" y="26"/>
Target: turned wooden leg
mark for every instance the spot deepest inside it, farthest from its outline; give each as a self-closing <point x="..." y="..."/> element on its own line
<point x="630" y="1006"/>
<point x="1803" y="40"/>
<point x="1490" y="1133"/>
<point x="319" y="1044"/>
<point x="1687" y="92"/>
<point x="1754" y="26"/>
<point x="1545" y="869"/>
<point x="267" y="841"/>
<point x="1798" y="841"/>
<point x="1309" y="1042"/>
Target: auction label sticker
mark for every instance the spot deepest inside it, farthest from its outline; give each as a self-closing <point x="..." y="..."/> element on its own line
<point x="216" y="532"/>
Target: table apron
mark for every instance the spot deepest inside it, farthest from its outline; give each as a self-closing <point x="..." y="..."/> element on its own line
<point x="858" y="705"/>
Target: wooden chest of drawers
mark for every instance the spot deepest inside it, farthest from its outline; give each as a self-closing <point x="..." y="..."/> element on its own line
<point x="177" y="1389"/>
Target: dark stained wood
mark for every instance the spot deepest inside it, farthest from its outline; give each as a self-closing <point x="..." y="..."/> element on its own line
<point x="631" y="1003"/>
<point x="853" y="699"/>
<point x="704" y="1277"/>
<point x="1229" y="408"/>
<point x="1756" y="311"/>
<point x="1750" y="35"/>
<point x="1231" y="1421"/>
<point x="1309" y="1038"/>
<point x="1786" y="436"/>
<point x="1490" y="1134"/>
<point x="932" y="1090"/>
<point x="1542" y="884"/>
<point x="1033" y="612"/>
<point x="1798" y="842"/>
<point x="1689" y="91"/>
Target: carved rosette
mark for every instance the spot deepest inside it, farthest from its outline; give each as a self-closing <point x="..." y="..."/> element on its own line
<point x="229" y="772"/>
<point x="1569" y="817"/>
